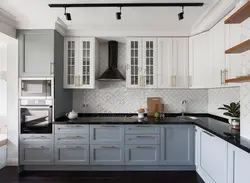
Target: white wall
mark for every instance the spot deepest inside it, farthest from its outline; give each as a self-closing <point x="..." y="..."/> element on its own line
<point x="12" y="98"/>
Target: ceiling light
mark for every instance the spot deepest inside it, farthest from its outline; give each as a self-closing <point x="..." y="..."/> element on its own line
<point x="119" y="14"/>
<point x="68" y="16"/>
<point x="181" y="15"/>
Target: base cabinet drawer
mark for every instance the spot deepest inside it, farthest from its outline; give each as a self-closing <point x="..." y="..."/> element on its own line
<point x="142" y="129"/>
<point x="72" y="155"/>
<point x="142" y="154"/>
<point x="27" y="138"/>
<point x="106" y="155"/>
<point x="71" y="128"/>
<point x="36" y="154"/>
<point x="71" y="139"/>
<point x="107" y="134"/>
<point x="142" y="139"/>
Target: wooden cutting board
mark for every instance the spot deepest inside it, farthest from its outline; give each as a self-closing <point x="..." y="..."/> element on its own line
<point x="153" y="105"/>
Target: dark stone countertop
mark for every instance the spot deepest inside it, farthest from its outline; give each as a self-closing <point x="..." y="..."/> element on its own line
<point x="215" y="125"/>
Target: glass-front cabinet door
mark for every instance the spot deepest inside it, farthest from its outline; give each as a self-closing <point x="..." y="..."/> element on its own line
<point x="86" y="63"/>
<point x="70" y="63"/>
<point x="134" y="65"/>
<point x="149" y="62"/>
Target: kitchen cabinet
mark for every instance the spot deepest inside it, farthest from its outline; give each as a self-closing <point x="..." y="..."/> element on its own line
<point x="142" y="154"/>
<point x="142" y="129"/>
<point x="142" y="63"/>
<point x="80" y="59"/>
<point x="106" y="154"/>
<point x="213" y="153"/>
<point x="62" y="129"/>
<point x="177" y="145"/>
<point x="72" y="154"/>
<point x="106" y="134"/>
<point x="238" y="163"/>
<point x="36" y="153"/>
<point x="172" y="63"/>
<point x="200" y="62"/>
<point x="36" y="53"/>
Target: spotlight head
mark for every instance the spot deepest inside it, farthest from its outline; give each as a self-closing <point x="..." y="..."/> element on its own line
<point x="118" y="15"/>
<point x="181" y="16"/>
<point x="67" y="15"/>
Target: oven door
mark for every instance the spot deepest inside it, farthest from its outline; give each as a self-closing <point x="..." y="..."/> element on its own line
<point x="36" y="119"/>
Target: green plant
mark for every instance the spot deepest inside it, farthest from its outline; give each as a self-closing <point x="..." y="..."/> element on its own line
<point x="233" y="109"/>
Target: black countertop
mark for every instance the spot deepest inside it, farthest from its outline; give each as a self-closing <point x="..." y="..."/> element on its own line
<point x="215" y="125"/>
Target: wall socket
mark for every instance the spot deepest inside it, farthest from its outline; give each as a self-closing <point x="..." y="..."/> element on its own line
<point x="85" y="105"/>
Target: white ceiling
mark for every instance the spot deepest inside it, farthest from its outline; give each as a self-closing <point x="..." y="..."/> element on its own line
<point x="36" y="14"/>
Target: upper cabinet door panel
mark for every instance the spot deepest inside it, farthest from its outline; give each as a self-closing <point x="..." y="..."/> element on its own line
<point x="36" y="53"/>
<point x="149" y="62"/>
<point x="70" y="63"/>
<point x="134" y="62"/>
<point x="86" y="63"/>
<point x="165" y="63"/>
<point x="180" y="62"/>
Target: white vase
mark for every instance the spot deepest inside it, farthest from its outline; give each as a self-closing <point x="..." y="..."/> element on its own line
<point x="234" y="122"/>
<point x="140" y="115"/>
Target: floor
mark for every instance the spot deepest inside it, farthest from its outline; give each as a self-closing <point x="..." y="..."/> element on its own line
<point x="9" y="175"/>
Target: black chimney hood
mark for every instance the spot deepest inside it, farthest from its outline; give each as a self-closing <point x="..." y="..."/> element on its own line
<point x="112" y="73"/>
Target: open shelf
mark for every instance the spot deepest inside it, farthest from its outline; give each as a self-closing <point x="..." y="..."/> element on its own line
<point x="239" y="16"/>
<point x="239" y="79"/>
<point x="240" y="48"/>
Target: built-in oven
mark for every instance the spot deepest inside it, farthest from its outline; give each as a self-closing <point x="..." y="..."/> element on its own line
<point x="36" y="116"/>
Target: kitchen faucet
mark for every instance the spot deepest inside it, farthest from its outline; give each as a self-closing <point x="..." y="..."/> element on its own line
<point x="184" y="107"/>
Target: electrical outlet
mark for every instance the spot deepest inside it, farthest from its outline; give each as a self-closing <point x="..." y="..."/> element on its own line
<point x="85" y="105"/>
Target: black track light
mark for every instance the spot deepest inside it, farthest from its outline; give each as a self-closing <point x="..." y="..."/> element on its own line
<point x="68" y="16"/>
<point x="119" y="14"/>
<point x="181" y="15"/>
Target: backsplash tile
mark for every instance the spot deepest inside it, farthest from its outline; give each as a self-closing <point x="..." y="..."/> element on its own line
<point x="219" y="96"/>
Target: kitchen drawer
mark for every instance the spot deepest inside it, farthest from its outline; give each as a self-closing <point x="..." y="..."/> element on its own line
<point x="71" y="129"/>
<point x="72" y="155"/>
<point x="142" y="139"/>
<point x="72" y="138"/>
<point x="24" y="138"/>
<point x="106" y="134"/>
<point x="36" y="154"/>
<point x="142" y="154"/>
<point x="107" y="154"/>
<point x="142" y="129"/>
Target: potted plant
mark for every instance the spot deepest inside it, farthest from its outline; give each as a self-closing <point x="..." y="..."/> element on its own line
<point x="233" y="112"/>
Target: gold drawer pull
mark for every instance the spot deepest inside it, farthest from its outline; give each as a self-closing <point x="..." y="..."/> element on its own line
<point x="143" y="147"/>
<point x="108" y="147"/>
<point x="145" y="137"/>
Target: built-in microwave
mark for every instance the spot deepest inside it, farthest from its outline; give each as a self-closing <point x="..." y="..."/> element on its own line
<point x="36" y="88"/>
<point x="36" y="116"/>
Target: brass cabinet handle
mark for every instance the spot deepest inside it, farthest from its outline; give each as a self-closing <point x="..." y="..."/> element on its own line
<point x="145" y="137"/>
<point x="72" y="147"/>
<point x="221" y="77"/>
<point x="75" y="80"/>
<point x="107" y="126"/>
<point x="144" y="126"/>
<point x="190" y="81"/>
<point x="175" y="81"/>
<point x="143" y="147"/>
<point x="51" y="68"/>
<point x="172" y="82"/>
<point x="208" y="133"/>
<point x="225" y="75"/>
<point x="108" y="147"/>
<point x="79" y="83"/>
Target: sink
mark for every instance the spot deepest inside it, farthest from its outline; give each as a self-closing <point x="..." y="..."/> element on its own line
<point x="186" y="117"/>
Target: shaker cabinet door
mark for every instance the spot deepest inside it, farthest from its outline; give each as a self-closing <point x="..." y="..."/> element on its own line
<point x="36" y="50"/>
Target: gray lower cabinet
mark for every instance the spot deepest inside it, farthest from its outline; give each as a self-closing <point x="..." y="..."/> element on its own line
<point x="72" y="155"/>
<point x="177" y="145"/>
<point x="36" y="153"/>
<point x="36" y="50"/>
<point x="106" y="134"/>
<point x="106" y="154"/>
<point x="142" y="154"/>
<point x="142" y="129"/>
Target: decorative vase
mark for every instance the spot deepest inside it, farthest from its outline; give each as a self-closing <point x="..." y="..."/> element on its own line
<point x="235" y="123"/>
<point x="140" y="115"/>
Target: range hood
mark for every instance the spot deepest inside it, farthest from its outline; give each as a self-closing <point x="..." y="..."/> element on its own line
<point x="112" y="73"/>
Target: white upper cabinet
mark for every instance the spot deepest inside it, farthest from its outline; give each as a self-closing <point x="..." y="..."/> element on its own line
<point x="134" y="62"/>
<point x="79" y="63"/>
<point x="200" y="64"/>
<point x="217" y="35"/>
<point x="165" y="63"/>
<point x="149" y="63"/>
<point x="180" y="62"/>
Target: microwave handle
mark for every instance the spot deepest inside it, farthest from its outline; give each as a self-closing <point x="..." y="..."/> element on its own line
<point x="37" y="107"/>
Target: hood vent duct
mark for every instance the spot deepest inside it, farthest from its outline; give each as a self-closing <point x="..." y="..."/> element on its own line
<point x="112" y="73"/>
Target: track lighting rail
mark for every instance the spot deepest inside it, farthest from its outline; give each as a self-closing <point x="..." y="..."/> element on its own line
<point x="124" y="5"/>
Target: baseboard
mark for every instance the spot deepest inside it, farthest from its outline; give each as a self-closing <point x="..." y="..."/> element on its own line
<point x="12" y="161"/>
